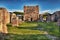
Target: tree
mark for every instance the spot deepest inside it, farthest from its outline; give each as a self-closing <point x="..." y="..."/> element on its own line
<point x="19" y="13"/>
<point x="45" y="15"/>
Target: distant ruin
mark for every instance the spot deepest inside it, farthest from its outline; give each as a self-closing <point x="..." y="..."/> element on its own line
<point x="31" y="13"/>
<point x="53" y="17"/>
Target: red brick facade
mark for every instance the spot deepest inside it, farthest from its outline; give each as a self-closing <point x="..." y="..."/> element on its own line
<point x="31" y="13"/>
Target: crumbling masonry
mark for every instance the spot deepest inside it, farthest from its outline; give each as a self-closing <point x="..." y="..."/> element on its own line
<point x="31" y="13"/>
<point x="4" y="19"/>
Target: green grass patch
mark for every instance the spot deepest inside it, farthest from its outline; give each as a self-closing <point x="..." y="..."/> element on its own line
<point x="15" y="30"/>
<point x="50" y="27"/>
<point x="29" y="24"/>
<point x="29" y="31"/>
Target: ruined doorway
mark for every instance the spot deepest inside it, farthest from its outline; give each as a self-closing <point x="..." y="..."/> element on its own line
<point x="31" y="19"/>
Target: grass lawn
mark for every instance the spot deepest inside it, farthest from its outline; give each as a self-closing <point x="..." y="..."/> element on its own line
<point x="29" y="24"/>
<point x="50" y="27"/>
<point x="25" y="37"/>
<point x="29" y="31"/>
<point x="22" y="31"/>
<point x="26" y="31"/>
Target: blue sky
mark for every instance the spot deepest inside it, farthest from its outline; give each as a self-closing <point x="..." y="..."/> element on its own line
<point x="44" y="5"/>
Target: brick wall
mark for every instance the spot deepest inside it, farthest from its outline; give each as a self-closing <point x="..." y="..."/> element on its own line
<point x="31" y="13"/>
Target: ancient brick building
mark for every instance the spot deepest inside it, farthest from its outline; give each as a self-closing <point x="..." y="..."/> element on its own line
<point x="31" y="13"/>
<point x="4" y="19"/>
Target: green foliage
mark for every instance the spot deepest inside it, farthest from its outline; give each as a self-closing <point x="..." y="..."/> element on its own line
<point x="46" y="13"/>
<point x="19" y="13"/>
<point x="50" y="27"/>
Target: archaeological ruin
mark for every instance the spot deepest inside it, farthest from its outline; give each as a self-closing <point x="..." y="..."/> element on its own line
<point x="14" y="20"/>
<point x="4" y="19"/>
<point x="31" y="13"/>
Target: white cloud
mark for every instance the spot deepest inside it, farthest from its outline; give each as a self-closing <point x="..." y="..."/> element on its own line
<point x="49" y="11"/>
<point x="41" y="12"/>
<point x="31" y="4"/>
<point x="15" y="10"/>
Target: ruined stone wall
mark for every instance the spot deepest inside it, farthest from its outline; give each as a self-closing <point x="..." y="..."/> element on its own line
<point x="31" y="13"/>
<point x="4" y="19"/>
<point x="53" y="17"/>
<point x="0" y="20"/>
<point x="14" y="20"/>
<point x="41" y="17"/>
